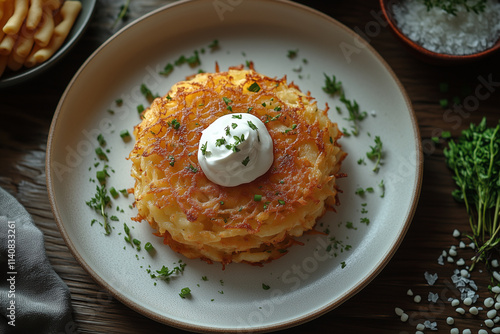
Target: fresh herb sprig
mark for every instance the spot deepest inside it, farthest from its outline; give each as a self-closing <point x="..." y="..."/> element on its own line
<point x="376" y="153"/>
<point x="475" y="161"/>
<point x="99" y="203"/>
<point x="451" y="6"/>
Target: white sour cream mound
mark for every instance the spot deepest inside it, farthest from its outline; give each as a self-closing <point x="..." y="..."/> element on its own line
<point x="235" y="149"/>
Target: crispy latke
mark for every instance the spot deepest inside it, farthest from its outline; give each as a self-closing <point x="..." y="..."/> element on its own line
<point x="201" y="219"/>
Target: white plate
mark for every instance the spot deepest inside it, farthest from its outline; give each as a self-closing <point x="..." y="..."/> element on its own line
<point x="305" y="283"/>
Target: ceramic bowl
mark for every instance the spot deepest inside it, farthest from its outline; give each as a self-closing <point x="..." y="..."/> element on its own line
<point x="425" y="54"/>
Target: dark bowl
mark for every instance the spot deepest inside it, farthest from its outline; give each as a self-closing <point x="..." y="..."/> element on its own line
<point x="10" y="78"/>
<point x="427" y="55"/>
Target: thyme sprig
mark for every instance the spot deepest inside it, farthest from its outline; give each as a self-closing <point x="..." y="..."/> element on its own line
<point x="475" y="161"/>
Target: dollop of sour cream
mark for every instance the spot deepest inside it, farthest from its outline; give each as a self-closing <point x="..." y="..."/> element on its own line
<point x="235" y="149"/>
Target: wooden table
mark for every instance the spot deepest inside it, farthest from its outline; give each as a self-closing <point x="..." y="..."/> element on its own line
<point x="26" y="111"/>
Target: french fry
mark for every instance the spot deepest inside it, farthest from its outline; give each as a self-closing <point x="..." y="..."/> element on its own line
<point x="46" y="28"/>
<point x="36" y="11"/>
<point x="69" y="12"/>
<point x="8" y="9"/>
<point x="14" y="62"/>
<point x="16" y="20"/>
<point x="7" y="44"/>
<point x="24" y="43"/>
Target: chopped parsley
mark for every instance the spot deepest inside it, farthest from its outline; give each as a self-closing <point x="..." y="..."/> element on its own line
<point x="254" y="87"/>
<point x="332" y="86"/>
<point x="185" y="292"/>
<point x="376" y="153"/>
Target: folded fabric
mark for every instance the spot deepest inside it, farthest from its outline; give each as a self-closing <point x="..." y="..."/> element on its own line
<point x="33" y="298"/>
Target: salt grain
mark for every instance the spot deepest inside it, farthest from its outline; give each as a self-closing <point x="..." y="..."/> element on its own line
<point x="437" y="31"/>
<point x="398" y="311"/>
<point x="460" y="310"/>
<point x="420" y="327"/>
<point x="450" y="321"/>
<point x="489" y="302"/>
<point x="468" y="301"/>
<point x="456" y="233"/>
<point x="430" y="325"/>
<point x="496" y="330"/>
<point x="432" y="297"/>
<point x="430" y="278"/>
<point x="460" y="262"/>
<point x="491" y="314"/>
<point x="455" y="302"/>
<point x="404" y="317"/>
<point x="409" y="292"/>
<point x="417" y="299"/>
<point x="496" y="275"/>
<point x="494" y="263"/>
<point x="497" y="306"/>
<point x="482" y="331"/>
<point x="473" y="310"/>
<point x="489" y="323"/>
<point x="461" y="244"/>
<point x="495" y="289"/>
<point x="466" y="331"/>
<point x="454" y="331"/>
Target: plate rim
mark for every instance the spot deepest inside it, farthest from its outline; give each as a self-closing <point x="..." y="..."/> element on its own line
<point x="306" y="317"/>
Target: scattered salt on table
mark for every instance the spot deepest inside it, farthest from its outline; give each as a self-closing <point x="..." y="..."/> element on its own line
<point x="430" y="278"/>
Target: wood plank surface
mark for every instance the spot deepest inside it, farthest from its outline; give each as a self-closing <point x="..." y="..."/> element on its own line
<point x="26" y="111"/>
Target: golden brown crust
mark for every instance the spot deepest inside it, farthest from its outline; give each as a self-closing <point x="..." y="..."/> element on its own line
<point x="199" y="218"/>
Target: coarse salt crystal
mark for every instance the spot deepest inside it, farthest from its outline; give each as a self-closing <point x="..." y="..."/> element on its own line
<point x="473" y="310"/>
<point x="430" y="278"/>
<point x="496" y="275"/>
<point x="491" y="314"/>
<point x="482" y="331"/>
<point x="404" y="317"/>
<point x="460" y="310"/>
<point x="409" y="292"/>
<point x="450" y="321"/>
<point x="494" y="263"/>
<point x="432" y="297"/>
<point x="455" y="302"/>
<point x="489" y="323"/>
<point x="496" y="330"/>
<point x="420" y="327"/>
<point x="464" y="273"/>
<point x="467" y="331"/>
<point x="468" y="301"/>
<point x="454" y="331"/>
<point x="430" y="325"/>
<point x="460" y="262"/>
<point x="456" y="233"/>
<point x="417" y="299"/>
<point x="489" y="302"/>
<point x="398" y="311"/>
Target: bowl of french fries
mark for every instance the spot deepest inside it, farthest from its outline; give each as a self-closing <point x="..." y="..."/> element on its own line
<point x="34" y="34"/>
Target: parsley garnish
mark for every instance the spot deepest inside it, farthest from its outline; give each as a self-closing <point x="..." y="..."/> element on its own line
<point x="254" y="87"/>
<point x="99" y="203"/>
<point x="246" y="161"/>
<point x="332" y="86"/>
<point x="376" y="153"/>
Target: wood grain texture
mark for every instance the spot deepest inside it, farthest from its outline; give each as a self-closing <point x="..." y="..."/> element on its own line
<point x="26" y="112"/>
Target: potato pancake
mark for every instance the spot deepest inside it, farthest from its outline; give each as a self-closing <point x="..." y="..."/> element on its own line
<point x="254" y="222"/>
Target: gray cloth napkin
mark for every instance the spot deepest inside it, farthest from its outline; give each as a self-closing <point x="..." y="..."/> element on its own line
<point x="33" y="298"/>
